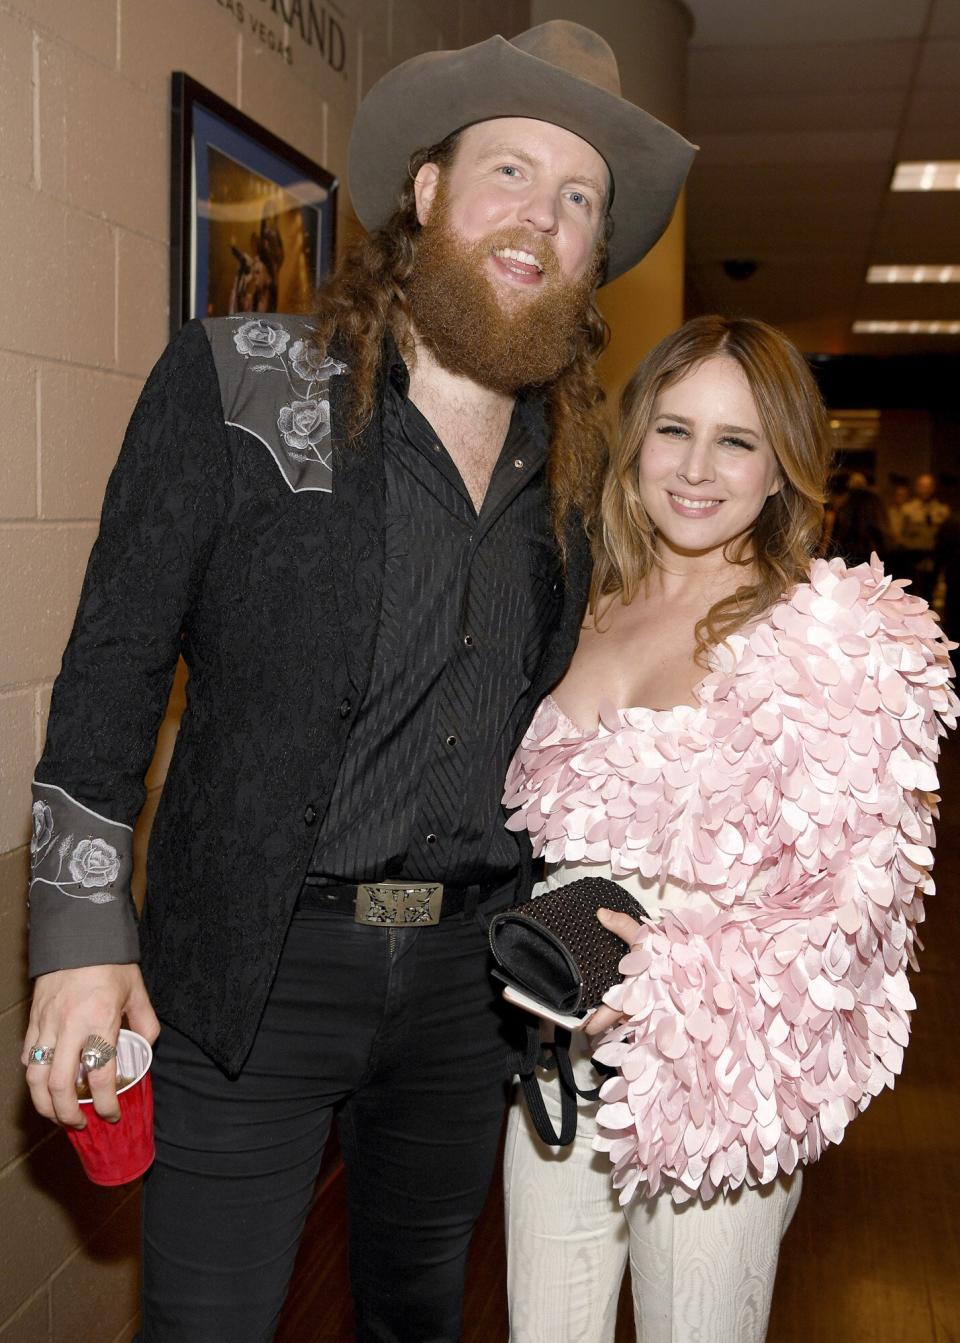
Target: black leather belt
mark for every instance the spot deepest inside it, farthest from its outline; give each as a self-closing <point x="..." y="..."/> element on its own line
<point x="399" y="904"/>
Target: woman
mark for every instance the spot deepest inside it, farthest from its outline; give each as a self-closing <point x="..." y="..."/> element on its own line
<point x="744" y="740"/>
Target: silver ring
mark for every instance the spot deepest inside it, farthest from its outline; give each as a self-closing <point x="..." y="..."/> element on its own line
<point x="42" y="1054"/>
<point x="97" y="1052"/>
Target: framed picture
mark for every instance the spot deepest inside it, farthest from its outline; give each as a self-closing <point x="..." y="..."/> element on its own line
<point x="252" y="220"/>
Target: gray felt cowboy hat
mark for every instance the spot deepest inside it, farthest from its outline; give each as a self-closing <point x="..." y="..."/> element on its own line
<point x="558" y="72"/>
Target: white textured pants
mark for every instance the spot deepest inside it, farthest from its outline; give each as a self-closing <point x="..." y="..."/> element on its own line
<point x="700" y="1274"/>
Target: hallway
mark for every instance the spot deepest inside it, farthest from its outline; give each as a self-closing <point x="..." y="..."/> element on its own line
<point x="873" y="1255"/>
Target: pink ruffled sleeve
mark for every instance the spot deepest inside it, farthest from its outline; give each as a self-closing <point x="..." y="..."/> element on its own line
<point x="757" y="1032"/>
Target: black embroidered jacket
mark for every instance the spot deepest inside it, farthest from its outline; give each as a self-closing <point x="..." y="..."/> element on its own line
<point x="239" y="531"/>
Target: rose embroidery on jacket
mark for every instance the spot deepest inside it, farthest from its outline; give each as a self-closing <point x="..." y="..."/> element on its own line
<point x="42" y="830"/>
<point x="304" y="425"/>
<point x="308" y="363"/>
<point x="304" y="422"/>
<point x="92" y="864"/>
<point x="261" y="338"/>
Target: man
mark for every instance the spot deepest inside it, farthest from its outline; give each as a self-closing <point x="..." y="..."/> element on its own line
<point x="920" y="520"/>
<point x="361" y="533"/>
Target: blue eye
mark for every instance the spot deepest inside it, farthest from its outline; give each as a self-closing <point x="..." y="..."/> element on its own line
<point x="671" y="430"/>
<point x="508" y="169"/>
<point x="737" y="443"/>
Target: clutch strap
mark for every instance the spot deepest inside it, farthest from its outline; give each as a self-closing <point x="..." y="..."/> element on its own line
<point x="536" y="1055"/>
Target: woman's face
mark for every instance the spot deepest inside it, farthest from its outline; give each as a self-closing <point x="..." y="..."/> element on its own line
<point x="706" y="468"/>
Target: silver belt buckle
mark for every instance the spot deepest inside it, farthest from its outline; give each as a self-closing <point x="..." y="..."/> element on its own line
<point x="398" y="904"/>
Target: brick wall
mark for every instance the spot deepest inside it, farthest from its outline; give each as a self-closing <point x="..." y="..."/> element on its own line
<point x="84" y="173"/>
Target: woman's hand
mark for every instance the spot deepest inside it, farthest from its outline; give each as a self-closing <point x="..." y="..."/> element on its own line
<point x="629" y="930"/>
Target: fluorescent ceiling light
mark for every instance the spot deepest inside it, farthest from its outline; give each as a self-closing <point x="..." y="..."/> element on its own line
<point x="907" y="328"/>
<point x="913" y="275"/>
<point x="942" y="176"/>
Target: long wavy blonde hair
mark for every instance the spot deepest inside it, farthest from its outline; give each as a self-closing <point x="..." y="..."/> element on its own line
<point x="365" y="297"/>
<point x="776" y="552"/>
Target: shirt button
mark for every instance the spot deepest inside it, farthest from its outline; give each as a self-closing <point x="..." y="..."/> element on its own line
<point x="431" y="839"/>
<point x="468" y="640"/>
<point x="346" y="708"/>
<point x="555" y="587"/>
<point x="518" y="463"/>
<point x="451" y="740"/>
<point x="310" y="815"/>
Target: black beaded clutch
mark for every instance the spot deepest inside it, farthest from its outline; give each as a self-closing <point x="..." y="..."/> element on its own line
<point x="554" y="950"/>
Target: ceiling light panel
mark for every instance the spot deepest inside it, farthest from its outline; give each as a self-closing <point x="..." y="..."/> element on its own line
<point x="913" y="275"/>
<point x="907" y="328"/>
<point x="943" y="175"/>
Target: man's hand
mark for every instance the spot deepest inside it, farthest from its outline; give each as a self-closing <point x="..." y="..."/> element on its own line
<point x="629" y="930"/>
<point x="68" y="1006"/>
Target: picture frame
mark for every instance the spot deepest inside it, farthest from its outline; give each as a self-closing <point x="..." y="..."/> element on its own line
<point x="252" y="220"/>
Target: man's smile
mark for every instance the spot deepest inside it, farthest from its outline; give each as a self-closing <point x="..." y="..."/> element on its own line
<point x="525" y="260"/>
<point x="518" y="264"/>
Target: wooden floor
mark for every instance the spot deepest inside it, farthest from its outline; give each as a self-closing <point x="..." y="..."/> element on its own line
<point x="873" y="1255"/>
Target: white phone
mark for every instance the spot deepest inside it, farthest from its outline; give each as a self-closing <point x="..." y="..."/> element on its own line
<point x="538" y="1009"/>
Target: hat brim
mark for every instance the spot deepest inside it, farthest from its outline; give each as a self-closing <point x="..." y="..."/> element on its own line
<point x="425" y="99"/>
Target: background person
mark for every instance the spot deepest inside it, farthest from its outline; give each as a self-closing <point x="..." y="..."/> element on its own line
<point x="354" y="529"/>
<point x="745" y="740"/>
<point x="946" y="558"/>
<point x="860" y="527"/>
<point x="899" y="495"/>
<point x="838" y="487"/>
<point x="920" y="520"/>
<point x="897" y="561"/>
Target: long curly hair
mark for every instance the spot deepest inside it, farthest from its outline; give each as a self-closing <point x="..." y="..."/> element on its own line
<point x="776" y="552"/>
<point x="365" y="298"/>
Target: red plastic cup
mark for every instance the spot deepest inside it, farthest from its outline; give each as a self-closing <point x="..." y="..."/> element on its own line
<point x="120" y="1152"/>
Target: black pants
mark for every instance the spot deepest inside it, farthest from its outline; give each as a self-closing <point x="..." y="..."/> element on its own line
<point x="400" y="1034"/>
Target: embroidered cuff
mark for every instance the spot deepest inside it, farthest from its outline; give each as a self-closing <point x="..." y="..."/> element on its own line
<point x="81" y="909"/>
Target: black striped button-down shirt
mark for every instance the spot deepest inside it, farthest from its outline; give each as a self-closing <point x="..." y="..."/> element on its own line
<point x="469" y="602"/>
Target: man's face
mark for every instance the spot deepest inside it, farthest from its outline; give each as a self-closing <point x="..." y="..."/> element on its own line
<point x="925" y="488"/>
<point x="537" y="181"/>
<point x="509" y="252"/>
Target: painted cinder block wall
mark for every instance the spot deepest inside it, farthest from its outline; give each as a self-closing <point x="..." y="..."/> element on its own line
<point x="84" y="174"/>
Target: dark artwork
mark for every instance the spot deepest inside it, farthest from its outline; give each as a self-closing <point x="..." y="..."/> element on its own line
<point x="262" y="244"/>
<point x="252" y="219"/>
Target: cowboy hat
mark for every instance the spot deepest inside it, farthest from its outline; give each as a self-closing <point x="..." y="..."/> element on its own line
<point x="558" y="72"/>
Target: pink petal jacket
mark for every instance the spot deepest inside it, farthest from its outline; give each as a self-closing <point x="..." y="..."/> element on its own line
<point x="796" y="803"/>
